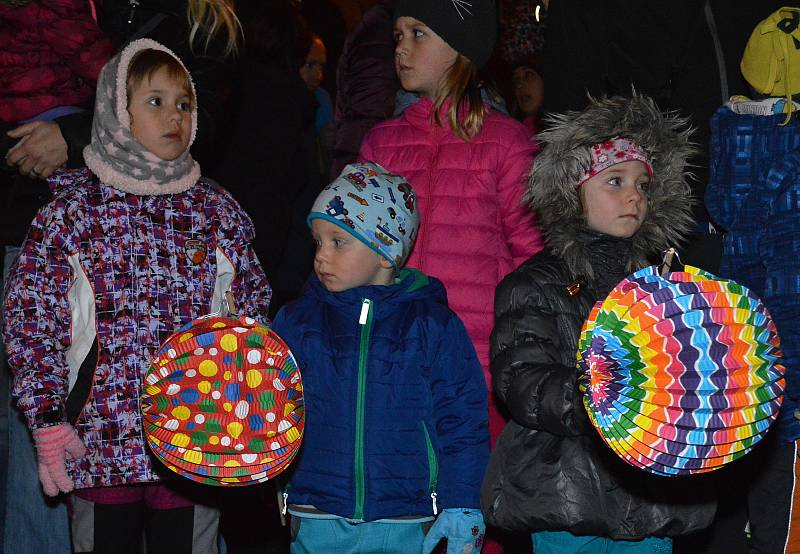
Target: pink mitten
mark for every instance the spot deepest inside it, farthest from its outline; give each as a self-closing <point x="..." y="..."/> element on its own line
<point x="52" y="446"/>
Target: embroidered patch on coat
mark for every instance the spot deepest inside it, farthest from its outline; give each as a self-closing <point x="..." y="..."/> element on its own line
<point x="196" y="251"/>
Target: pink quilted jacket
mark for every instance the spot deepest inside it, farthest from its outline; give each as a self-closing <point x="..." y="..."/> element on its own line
<point x="51" y="53"/>
<point x="474" y="228"/>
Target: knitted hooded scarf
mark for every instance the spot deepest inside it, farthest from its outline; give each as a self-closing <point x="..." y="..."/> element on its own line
<point x="566" y="143"/>
<point x="117" y="158"/>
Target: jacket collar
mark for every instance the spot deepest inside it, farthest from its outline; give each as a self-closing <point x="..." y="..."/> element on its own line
<point x="608" y="257"/>
<point x="410" y="284"/>
<point x="418" y="109"/>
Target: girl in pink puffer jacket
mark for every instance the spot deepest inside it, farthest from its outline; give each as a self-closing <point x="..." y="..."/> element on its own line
<point x="467" y="162"/>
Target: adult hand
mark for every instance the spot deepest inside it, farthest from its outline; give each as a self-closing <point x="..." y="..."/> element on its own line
<point x="40" y="151"/>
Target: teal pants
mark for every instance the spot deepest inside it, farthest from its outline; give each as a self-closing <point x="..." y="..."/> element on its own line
<point x="562" y="542"/>
<point x="338" y="536"/>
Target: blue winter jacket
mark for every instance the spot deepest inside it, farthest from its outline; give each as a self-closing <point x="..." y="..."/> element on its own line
<point x="396" y="402"/>
<point x="753" y="193"/>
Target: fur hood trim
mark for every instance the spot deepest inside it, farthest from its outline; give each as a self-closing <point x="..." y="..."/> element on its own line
<point x="566" y="149"/>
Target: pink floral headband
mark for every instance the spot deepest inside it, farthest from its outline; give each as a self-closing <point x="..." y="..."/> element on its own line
<point x="611" y="152"/>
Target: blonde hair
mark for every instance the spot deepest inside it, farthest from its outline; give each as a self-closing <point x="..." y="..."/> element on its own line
<point x="209" y="17"/>
<point x="460" y="84"/>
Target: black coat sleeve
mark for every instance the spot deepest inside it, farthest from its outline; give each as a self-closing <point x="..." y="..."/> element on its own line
<point x="528" y="372"/>
<point x="77" y="132"/>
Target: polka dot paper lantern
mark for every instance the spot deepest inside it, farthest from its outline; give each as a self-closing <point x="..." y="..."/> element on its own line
<point x="223" y="402"/>
<point x="682" y="369"/>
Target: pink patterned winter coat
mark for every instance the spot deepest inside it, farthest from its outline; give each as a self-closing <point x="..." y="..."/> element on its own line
<point x="474" y="229"/>
<point x="109" y="275"/>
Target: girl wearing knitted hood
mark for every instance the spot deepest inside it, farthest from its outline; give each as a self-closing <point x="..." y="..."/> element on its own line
<point x="610" y="191"/>
<point x="130" y="250"/>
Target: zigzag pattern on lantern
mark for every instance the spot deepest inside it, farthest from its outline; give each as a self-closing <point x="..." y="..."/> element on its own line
<point x="682" y="371"/>
<point x="223" y="402"/>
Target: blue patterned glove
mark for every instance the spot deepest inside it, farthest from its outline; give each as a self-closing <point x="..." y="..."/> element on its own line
<point x="463" y="528"/>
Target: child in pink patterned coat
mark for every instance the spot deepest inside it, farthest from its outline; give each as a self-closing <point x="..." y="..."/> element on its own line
<point x="127" y="252"/>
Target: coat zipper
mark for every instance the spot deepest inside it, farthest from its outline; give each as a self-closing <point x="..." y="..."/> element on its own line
<point x="134" y="4"/>
<point x="365" y="321"/>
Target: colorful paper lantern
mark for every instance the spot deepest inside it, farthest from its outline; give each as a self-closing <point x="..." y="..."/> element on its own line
<point x="223" y="402"/>
<point x="682" y="369"/>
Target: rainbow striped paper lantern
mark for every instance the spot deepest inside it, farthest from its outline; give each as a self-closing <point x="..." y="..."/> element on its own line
<point x="683" y="370"/>
<point x="223" y="402"/>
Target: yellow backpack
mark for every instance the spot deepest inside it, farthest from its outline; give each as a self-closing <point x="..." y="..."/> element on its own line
<point x="771" y="61"/>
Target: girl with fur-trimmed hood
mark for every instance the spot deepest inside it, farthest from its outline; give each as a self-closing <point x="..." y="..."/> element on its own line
<point x="610" y="191"/>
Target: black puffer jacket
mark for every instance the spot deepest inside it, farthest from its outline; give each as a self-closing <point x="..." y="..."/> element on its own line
<point x="550" y="469"/>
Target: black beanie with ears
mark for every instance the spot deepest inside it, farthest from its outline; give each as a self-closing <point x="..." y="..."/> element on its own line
<point x="468" y="26"/>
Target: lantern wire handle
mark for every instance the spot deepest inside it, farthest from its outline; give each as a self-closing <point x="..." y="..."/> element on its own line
<point x="666" y="264"/>
<point x="229" y="306"/>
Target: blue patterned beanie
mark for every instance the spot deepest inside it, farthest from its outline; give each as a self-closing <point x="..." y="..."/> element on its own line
<point x="377" y="207"/>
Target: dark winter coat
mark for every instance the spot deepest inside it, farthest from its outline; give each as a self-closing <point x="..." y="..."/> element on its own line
<point x="550" y="470"/>
<point x="366" y="82"/>
<point x="395" y="398"/>
<point x="269" y="163"/>
<point x="665" y="49"/>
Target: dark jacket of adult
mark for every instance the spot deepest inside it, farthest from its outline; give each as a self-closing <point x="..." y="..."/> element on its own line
<point x="268" y="159"/>
<point x="665" y="49"/>
<point x="550" y="470"/>
<point x="366" y="82"/>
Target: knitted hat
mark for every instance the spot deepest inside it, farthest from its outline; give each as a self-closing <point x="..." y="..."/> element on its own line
<point x="468" y="26"/>
<point x="373" y="205"/>
<point x="612" y="152"/>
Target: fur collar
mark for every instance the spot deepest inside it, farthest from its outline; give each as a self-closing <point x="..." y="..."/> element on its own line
<point x="566" y="143"/>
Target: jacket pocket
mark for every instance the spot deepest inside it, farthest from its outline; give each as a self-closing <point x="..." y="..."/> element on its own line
<point x="81" y="392"/>
<point x="433" y="462"/>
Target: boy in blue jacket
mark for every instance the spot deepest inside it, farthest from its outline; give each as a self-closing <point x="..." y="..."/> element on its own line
<point x="396" y="430"/>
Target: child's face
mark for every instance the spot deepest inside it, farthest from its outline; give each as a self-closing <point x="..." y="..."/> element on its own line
<point x="161" y="115"/>
<point x="421" y="57"/>
<point x="343" y="262"/>
<point x="528" y="90"/>
<point x="313" y="70"/>
<point x="615" y="200"/>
